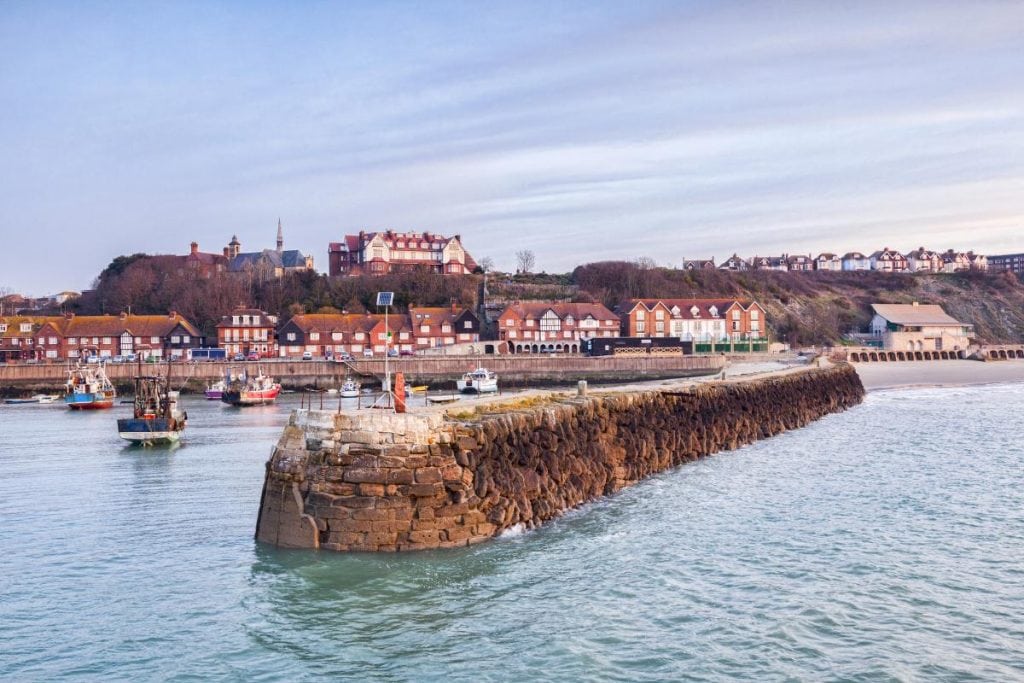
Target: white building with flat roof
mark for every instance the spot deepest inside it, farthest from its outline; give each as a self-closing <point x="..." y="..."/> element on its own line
<point x="919" y="327"/>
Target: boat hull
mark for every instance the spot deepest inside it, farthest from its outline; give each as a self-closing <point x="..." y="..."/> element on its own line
<point x="89" y="401"/>
<point x="250" y="398"/>
<point x="477" y="387"/>
<point x="150" y="431"/>
<point x="212" y="395"/>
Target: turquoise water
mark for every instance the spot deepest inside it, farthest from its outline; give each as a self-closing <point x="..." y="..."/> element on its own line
<point x="886" y="542"/>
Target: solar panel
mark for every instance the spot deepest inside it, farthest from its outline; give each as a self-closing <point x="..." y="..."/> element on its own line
<point x="385" y="298"/>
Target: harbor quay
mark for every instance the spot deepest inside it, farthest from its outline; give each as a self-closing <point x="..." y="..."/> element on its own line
<point x="436" y="478"/>
<point x="435" y="371"/>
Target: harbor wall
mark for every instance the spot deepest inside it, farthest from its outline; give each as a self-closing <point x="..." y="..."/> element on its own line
<point x="387" y="482"/>
<point x="297" y="374"/>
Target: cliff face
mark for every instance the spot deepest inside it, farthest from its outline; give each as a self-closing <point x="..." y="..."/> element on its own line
<point x="406" y="482"/>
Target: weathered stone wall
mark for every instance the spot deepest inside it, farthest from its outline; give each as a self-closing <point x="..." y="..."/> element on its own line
<point x="384" y="482"/>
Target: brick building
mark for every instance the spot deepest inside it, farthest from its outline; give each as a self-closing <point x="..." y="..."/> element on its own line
<point x="248" y="330"/>
<point x="379" y="253"/>
<point x="327" y="335"/>
<point x="433" y="327"/>
<point x="539" y="327"/>
<point x="693" y="319"/>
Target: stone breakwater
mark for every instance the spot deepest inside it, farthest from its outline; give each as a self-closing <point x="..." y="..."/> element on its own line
<point x="375" y="481"/>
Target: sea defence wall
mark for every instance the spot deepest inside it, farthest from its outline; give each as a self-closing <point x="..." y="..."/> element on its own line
<point x="546" y="368"/>
<point x="390" y="482"/>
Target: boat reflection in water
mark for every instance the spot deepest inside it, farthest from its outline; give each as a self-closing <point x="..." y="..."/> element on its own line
<point x="156" y="418"/>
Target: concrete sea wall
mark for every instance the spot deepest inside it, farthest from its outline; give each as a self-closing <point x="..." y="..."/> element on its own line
<point x="387" y="482"/>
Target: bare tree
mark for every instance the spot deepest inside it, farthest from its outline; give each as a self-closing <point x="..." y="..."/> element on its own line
<point x="525" y="260"/>
<point x="486" y="264"/>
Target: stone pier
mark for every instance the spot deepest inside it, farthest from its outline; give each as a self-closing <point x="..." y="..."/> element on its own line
<point x="378" y="481"/>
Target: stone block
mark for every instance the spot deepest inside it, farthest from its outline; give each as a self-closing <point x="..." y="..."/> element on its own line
<point x="452" y="473"/>
<point x="366" y="475"/>
<point x="427" y="475"/>
<point x="373" y="515"/>
<point x="426" y="536"/>
<point x="426" y="490"/>
<point x="400" y="476"/>
<point x="371" y="490"/>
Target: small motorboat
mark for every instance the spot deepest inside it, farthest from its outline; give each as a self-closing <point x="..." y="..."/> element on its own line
<point x="156" y="418"/>
<point x="349" y="389"/>
<point x="479" y="381"/>
<point x="38" y="398"/>
<point x="215" y="390"/>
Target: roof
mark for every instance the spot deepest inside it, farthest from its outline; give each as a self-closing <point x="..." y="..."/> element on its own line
<point x="853" y="255"/>
<point x="262" y="319"/>
<point x="825" y="255"/>
<point x="536" y="309"/>
<point x="686" y="305"/>
<point x="113" y="325"/>
<point x="346" y="322"/>
<point x="915" y="314"/>
<point x="293" y="258"/>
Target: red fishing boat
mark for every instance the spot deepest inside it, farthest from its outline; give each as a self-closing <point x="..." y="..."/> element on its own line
<point x="257" y="390"/>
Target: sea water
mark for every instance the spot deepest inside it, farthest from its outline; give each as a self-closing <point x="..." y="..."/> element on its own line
<point x="886" y="542"/>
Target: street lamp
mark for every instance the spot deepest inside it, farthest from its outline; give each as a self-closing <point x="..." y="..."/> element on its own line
<point x="387" y="398"/>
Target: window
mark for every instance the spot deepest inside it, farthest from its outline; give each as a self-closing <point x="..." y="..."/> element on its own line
<point x="425" y="329"/>
<point x="314" y="336"/>
<point x="95" y="341"/>
<point x="360" y="335"/>
<point x="510" y="323"/>
<point x="529" y="323"/>
<point x="53" y="341"/>
<point x="336" y="336"/>
<point x="446" y="328"/>
<point x="736" y="315"/>
<point x="569" y="320"/>
<point x="640" y="327"/>
<point x="106" y="340"/>
<point x="154" y="340"/>
<point x="713" y="311"/>
<point x="659" y="314"/>
<point x="755" y="315"/>
<point x="72" y="340"/>
<point x="186" y="339"/>
<point x="467" y="325"/>
<point x="381" y="336"/>
<point x="175" y="339"/>
<point x="403" y="335"/>
<point x="236" y="320"/>
<point x="26" y="327"/>
<point x="3" y="327"/>
<point x="511" y="334"/>
<point x="290" y="336"/>
<point x="640" y="315"/>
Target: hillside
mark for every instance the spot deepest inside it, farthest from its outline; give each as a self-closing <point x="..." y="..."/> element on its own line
<point x="820" y="307"/>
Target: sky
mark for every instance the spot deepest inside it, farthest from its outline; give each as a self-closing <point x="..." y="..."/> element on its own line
<point x="583" y="131"/>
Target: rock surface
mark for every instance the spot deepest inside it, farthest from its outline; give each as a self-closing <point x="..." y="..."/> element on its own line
<point x="386" y="482"/>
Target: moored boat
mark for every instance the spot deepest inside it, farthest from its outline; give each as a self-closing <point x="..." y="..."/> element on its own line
<point x="88" y="388"/>
<point x="38" y="398"/>
<point x="156" y="418"/>
<point x="251" y="391"/>
<point x="215" y="390"/>
<point x="479" y="381"/>
<point x="349" y="389"/>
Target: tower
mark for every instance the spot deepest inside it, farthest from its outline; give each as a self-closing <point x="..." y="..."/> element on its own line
<point x="280" y="235"/>
<point x="234" y="247"/>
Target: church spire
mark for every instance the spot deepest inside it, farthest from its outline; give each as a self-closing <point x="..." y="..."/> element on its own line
<point x="280" y="235"/>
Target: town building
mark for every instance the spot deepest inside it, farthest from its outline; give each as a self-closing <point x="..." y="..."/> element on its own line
<point x="206" y="265"/>
<point x="888" y="261"/>
<point x="828" y="261"/>
<point x="542" y="327"/>
<point x="693" y="319"/>
<point x="248" y="330"/>
<point x="329" y="335"/>
<point x="769" y="263"/>
<point x="800" y="263"/>
<point x="735" y="263"/>
<point x="923" y="260"/>
<point x="19" y="337"/>
<point x="266" y="264"/>
<point x="699" y="264"/>
<point x="379" y="253"/>
<point x="855" y="260"/>
<point x="438" y="326"/>
<point x="1011" y="262"/>
<point x="919" y="327"/>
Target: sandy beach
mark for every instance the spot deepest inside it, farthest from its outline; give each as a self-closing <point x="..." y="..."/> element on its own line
<point x="938" y="373"/>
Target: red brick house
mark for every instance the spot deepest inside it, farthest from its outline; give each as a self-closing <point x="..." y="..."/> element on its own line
<point x="160" y="336"/>
<point x="438" y="326"/>
<point x="327" y="335"/>
<point x="540" y="327"/>
<point x="379" y="253"/>
<point x="693" y="319"/>
<point x="248" y="330"/>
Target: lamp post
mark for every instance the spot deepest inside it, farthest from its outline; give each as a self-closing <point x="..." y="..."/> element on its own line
<point x="386" y="400"/>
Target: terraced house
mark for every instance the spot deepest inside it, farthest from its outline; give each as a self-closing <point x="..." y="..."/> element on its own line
<point x="104" y="336"/>
<point x="539" y="327"/>
<point x="693" y="319"/>
<point x="248" y="330"/>
<point x="329" y="335"/>
<point x="438" y="326"/>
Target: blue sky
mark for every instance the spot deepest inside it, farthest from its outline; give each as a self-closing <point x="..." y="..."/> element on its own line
<point x="584" y="131"/>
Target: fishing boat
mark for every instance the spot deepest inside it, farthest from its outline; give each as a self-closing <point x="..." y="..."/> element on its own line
<point x="479" y="381"/>
<point x="349" y="389"/>
<point x="88" y="388"/>
<point x="215" y="390"/>
<point x="156" y="418"/>
<point x="251" y="391"/>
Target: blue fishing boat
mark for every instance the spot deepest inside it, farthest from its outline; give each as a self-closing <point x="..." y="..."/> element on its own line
<point x="156" y="418"/>
<point x="88" y="388"/>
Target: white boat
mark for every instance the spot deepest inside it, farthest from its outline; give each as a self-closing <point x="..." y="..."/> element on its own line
<point x="38" y="398"/>
<point x="349" y="389"/>
<point x="156" y="418"/>
<point x="479" y="381"/>
<point x="215" y="390"/>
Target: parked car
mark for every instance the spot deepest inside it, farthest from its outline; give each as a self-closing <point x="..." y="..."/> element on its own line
<point x="238" y="357"/>
<point x="407" y="352"/>
<point x="91" y="360"/>
<point x="392" y="353"/>
<point x="117" y="359"/>
<point x="307" y="355"/>
<point x="345" y="356"/>
<point x="253" y="355"/>
<point x="368" y="353"/>
<point x="130" y="358"/>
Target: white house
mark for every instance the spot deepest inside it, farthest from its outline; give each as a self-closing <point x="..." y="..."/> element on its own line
<point x="919" y="327"/>
<point x="855" y="260"/>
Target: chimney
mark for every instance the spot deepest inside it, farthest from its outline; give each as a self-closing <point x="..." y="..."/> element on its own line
<point x="195" y="248"/>
<point x="225" y="252"/>
<point x="123" y="315"/>
<point x="68" y="315"/>
<point x="172" y="314"/>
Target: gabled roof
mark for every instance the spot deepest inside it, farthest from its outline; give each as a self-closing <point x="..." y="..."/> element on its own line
<point x="686" y="306"/>
<point x="293" y="258"/>
<point x="853" y="255"/>
<point x="915" y="314"/>
<point x="115" y="325"/>
<point x="826" y="256"/>
<point x="536" y="309"/>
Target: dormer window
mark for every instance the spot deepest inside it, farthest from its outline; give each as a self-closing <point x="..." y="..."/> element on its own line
<point x="569" y="320"/>
<point x="694" y="311"/>
<point x="675" y="311"/>
<point x="26" y="327"/>
<point x="713" y="311"/>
